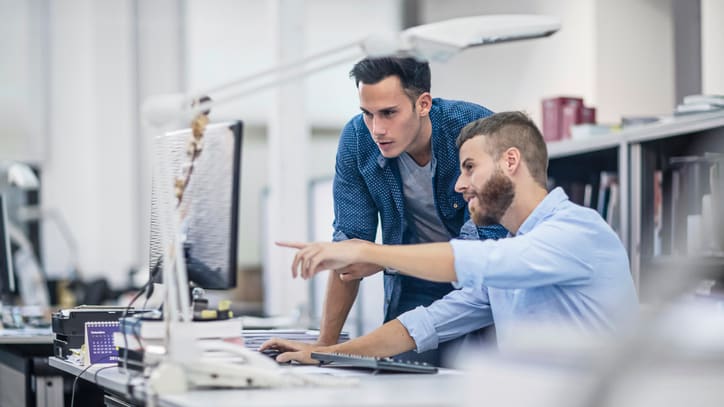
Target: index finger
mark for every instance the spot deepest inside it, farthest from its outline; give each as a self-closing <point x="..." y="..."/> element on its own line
<point x="293" y="245"/>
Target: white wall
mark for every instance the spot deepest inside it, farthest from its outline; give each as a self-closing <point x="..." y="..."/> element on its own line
<point x="616" y="54"/>
<point x="516" y="76"/>
<point x="87" y="174"/>
<point x="634" y="58"/>
<point x="23" y="93"/>
<point x="229" y="40"/>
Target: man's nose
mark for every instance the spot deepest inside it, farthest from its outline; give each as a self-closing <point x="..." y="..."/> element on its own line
<point x="459" y="184"/>
<point x="377" y="127"/>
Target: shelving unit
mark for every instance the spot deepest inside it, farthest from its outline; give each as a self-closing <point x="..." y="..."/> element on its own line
<point x="635" y="153"/>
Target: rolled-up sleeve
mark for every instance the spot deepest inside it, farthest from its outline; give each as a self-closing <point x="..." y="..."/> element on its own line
<point x="454" y="315"/>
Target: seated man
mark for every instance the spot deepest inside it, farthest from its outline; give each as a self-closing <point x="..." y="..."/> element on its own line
<point x="561" y="264"/>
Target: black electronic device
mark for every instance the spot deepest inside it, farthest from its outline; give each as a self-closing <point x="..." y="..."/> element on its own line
<point x="208" y="203"/>
<point x="7" y="276"/>
<point x="69" y="325"/>
<point x="373" y="363"/>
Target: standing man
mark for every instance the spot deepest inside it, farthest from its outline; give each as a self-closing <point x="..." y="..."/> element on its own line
<point x="397" y="161"/>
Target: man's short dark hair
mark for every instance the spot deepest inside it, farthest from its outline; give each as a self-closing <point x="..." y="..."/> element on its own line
<point x="414" y="75"/>
<point x="511" y="129"/>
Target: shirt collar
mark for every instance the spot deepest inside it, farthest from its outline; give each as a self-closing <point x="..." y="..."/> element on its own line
<point x="544" y="208"/>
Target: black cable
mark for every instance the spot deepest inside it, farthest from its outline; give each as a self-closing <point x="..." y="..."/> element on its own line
<point x="95" y="378"/>
<point x="151" y="278"/>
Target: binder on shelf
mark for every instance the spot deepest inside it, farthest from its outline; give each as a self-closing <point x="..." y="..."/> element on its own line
<point x="613" y="211"/>
<point x="606" y="179"/>
<point x="695" y="219"/>
<point x="716" y="187"/>
<point x="658" y="211"/>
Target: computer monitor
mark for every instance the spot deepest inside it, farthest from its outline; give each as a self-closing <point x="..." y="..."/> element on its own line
<point x="7" y="275"/>
<point x="209" y="207"/>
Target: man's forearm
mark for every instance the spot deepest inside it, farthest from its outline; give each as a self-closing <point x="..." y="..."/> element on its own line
<point x="390" y="339"/>
<point x="430" y="261"/>
<point x="338" y="301"/>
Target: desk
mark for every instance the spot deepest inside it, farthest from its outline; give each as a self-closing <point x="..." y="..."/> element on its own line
<point x="25" y="378"/>
<point x="442" y="389"/>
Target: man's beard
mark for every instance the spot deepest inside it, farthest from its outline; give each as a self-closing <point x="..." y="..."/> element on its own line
<point x="493" y="200"/>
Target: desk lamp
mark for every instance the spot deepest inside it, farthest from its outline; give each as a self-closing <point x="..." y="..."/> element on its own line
<point x="182" y="366"/>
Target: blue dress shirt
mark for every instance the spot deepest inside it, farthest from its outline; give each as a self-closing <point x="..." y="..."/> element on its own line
<point x="565" y="265"/>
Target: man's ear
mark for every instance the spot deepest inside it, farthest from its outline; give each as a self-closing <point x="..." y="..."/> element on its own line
<point x="424" y="103"/>
<point x="511" y="160"/>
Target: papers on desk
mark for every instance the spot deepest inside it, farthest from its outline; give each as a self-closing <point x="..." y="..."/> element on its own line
<point x="253" y="338"/>
<point x="25" y="332"/>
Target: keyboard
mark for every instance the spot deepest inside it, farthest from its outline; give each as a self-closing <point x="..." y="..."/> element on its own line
<point x="374" y="363"/>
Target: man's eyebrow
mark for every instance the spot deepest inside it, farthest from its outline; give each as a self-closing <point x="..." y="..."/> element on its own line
<point x="384" y="109"/>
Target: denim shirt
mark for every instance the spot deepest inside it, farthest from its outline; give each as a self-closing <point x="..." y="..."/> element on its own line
<point x="368" y="186"/>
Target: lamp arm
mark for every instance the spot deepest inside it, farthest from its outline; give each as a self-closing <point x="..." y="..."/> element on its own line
<point x="161" y="109"/>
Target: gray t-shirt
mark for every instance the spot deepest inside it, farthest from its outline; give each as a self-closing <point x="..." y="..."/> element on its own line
<point x="419" y="201"/>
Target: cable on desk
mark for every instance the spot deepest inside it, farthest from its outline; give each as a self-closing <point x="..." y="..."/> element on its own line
<point x="149" y="283"/>
<point x="95" y="378"/>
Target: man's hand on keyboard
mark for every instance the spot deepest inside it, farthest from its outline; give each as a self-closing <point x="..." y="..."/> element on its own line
<point x="293" y="350"/>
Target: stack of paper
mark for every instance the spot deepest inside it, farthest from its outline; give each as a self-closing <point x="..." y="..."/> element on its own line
<point x="253" y="338"/>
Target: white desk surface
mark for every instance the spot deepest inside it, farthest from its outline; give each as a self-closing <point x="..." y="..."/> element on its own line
<point x="26" y="336"/>
<point x="442" y="389"/>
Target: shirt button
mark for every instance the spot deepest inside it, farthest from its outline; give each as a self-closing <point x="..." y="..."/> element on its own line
<point x="455" y="205"/>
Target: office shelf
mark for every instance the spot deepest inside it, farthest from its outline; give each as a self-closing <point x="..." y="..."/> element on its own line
<point x="636" y="154"/>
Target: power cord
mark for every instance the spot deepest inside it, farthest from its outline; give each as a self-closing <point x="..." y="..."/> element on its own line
<point x="149" y="283"/>
<point x="95" y="378"/>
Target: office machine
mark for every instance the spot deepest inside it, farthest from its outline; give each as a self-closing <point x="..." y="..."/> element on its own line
<point x="69" y="325"/>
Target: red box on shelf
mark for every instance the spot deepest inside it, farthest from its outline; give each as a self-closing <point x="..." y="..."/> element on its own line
<point x="588" y="115"/>
<point x="553" y="126"/>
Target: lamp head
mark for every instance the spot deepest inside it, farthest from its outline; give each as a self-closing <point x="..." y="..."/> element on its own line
<point x="440" y="41"/>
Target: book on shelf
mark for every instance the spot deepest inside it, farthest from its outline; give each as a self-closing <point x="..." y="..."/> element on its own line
<point x="606" y="180"/>
<point x="633" y="121"/>
<point x="613" y="211"/>
<point x="694" y="202"/>
<point x="658" y="177"/>
<point x="587" y="130"/>
<point x="700" y="104"/>
<point x="716" y="188"/>
<point x="697" y="108"/>
<point x="708" y="99"/>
